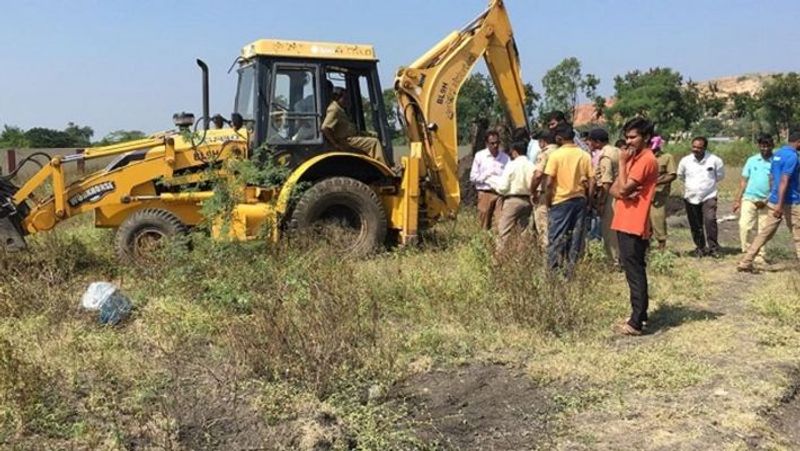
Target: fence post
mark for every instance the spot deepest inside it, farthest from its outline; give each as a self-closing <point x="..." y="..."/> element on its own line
<point x="11" y="160"/>
<point x="81" y="162"/>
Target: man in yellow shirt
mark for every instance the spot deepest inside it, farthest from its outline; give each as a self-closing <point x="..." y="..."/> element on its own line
<point x="569" y="188"/>
<point x="342" y="133"/>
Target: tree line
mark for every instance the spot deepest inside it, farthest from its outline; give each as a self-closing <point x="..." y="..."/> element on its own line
<point x="678" y="106"/>
<point x="72" y="135"/>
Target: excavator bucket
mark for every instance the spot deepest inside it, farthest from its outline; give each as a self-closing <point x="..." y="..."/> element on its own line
<point x="11" y="238"/>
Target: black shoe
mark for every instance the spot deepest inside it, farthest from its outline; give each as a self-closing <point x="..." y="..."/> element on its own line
<point x="699" y="253"/>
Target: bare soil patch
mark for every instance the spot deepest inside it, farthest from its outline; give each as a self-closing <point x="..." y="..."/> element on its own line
<point x="786" y="418"/>
<point x="477" y="407"/>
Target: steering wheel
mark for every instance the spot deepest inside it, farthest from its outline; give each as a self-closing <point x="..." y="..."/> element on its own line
<point x="279" y="106"/>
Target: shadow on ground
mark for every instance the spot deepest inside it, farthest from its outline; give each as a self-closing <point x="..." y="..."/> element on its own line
<point x="667" y="316"/>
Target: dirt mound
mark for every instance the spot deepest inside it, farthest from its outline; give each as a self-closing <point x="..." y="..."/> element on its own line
<point x="477" y="407"/>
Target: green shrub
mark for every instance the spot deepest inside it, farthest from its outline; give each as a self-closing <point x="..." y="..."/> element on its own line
<point x="29" y="401"/>
<point x="661" y="262"/>
<point x="733" y="153"/>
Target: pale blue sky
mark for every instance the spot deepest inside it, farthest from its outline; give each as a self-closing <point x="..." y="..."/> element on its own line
<point x="130" y="64"/>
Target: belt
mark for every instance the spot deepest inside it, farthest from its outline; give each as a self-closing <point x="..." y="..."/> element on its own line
<point x="521" y="196"/>
<point x="490" y="191"/>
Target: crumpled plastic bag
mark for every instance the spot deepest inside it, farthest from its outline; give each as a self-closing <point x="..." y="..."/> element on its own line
<point x="107" y="298"/>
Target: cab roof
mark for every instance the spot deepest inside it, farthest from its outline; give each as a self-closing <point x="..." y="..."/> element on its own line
<point x="305" y="49"/>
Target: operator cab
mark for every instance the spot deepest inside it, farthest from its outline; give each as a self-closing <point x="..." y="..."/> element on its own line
<point x="285" y="88"/>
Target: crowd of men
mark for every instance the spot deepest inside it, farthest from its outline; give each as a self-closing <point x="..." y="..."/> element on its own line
<point x="576" y="188"/>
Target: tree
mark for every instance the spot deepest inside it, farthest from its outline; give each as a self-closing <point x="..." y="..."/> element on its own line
<point x="562" y="85"/>
<point x="476" y="101"/>
<point x="72" y="136"/>
<point x="657" y="94"/>
<point x="532" y="98"/>
<point x="13" y="137"/>
<point x="780" y="98"/>
<point x="79" y="136"/>
<point x="708" y="126"/>
<point x="390" y="107"/>
<point x="47" y="138"/>
<point x="745" y="111"/>
<point x="743" y="105"/>
<point x="712" y="102"/>
<point x="120" y="136"/>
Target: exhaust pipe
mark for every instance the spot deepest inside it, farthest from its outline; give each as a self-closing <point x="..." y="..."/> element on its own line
<point x="206" y="113"/>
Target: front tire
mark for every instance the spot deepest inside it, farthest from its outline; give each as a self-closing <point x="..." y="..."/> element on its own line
<point x="142" y="233"/>
<point x="347" y="203"/>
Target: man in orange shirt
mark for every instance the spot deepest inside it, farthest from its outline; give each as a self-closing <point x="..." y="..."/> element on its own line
<point x="633" y="190"/>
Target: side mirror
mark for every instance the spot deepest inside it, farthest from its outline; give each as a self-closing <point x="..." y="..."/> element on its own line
<point x="237" y="121"/>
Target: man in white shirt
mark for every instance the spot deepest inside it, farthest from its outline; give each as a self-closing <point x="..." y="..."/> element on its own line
<point x="514" y="185"/>
<point x="533" y="146"/>
<point x="701" y="172"/>
<point x="487" y="163"/>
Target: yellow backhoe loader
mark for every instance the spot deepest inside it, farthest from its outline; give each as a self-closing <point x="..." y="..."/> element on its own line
<point x="154" y="187"/>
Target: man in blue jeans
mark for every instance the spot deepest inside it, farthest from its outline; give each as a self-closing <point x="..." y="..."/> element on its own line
<point x="569" y="186"/>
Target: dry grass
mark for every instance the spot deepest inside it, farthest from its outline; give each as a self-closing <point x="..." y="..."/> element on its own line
<point x="231" y="346"/>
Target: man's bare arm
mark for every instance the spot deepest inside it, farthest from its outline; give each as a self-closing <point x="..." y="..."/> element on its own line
<point x="536" y="180"/>
<point x="782" y="188"/>
<point x="663" y="179"/>
<point x="623" y="187"/>
<point x="549" y="191"/>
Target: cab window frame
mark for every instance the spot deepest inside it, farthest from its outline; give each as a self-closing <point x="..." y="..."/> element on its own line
<point x="318" y="115"/>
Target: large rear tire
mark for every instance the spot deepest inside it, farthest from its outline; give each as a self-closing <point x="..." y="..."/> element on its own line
<point x="349" y="205"/>
<point x="145" y="231"/>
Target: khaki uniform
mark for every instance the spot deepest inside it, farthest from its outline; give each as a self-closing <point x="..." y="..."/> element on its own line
<point x="515" y="187"/>
<point x="540" y="216"/>
<point x="490" y="206"/>
<point x="753" y="216"/>
<point x="658" y="210"/>
<point x="791" y="214"/>
<point x="606" y="172"/>
<point x="344" y="130"/>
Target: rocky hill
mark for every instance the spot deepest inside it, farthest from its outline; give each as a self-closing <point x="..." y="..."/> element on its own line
<point x="736" y="84"/>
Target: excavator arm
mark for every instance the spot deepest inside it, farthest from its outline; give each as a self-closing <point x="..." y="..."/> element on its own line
<point x="427" y="91"/>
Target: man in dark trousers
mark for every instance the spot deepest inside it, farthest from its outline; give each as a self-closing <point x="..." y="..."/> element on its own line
<point x="701" y="171"/>
<point x="633" y="190"/>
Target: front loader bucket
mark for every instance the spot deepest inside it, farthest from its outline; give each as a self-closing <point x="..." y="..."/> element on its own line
<point x="10" y="237"/>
